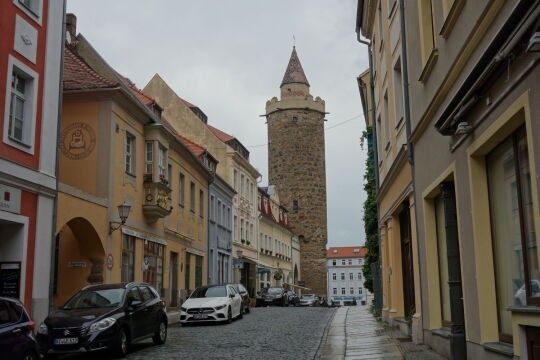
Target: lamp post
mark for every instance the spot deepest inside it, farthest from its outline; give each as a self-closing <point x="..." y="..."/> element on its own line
<point x="123" y="213"/>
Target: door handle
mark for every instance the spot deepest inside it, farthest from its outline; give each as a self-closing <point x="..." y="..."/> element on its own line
<point x="16" y="331"/>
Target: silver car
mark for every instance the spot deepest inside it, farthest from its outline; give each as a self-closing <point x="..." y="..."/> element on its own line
<point x="309" y="300"/>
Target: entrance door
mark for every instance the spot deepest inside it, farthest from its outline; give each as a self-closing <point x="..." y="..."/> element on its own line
<point x="407" y="260"/>
<point x="533" y="342"/>
<point x="187" y="273"/>
<point x="173" y="279"/>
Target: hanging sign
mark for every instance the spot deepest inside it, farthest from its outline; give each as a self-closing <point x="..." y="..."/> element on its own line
<point x="10" y="279"/>
<point x="110" y="261"/>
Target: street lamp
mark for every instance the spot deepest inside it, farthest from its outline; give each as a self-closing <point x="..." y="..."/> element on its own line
<point x="123" y="213"/>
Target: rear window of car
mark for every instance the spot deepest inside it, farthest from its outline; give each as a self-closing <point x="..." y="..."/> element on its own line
<point x="274" y="290"/>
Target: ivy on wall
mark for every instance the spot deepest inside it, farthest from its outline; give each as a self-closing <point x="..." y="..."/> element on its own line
<point x="370" y="211"/>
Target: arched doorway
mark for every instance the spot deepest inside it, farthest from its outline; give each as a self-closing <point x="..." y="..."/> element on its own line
<point x="79" y="258"/>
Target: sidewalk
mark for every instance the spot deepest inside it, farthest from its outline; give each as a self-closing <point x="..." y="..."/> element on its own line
<point x="354" y="333"/>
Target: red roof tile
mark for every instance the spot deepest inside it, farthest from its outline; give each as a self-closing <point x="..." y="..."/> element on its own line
<point x="220" y="134"/>
<point x="143" y="97"/>
<point x="346" y="252"/>
<point x="78" y="75"/>
<point x="195" y="148"/>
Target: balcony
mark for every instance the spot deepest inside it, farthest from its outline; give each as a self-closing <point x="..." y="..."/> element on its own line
<point x="157" y="201"/>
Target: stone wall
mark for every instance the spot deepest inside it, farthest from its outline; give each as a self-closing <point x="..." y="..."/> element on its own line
<point x="296" y="164"/>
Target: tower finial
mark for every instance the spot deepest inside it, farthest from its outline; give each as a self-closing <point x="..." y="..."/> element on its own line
<point x="293" y="41"/>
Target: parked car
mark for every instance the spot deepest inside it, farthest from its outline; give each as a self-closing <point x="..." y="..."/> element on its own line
<point x="293" y="298"/>
<point x="111" y="317"/>
<point x="309" y="300"/>
<point x="17" y="339"/>
<point x="212" y="303"/>
<point x="273" y="296"/>
<point x="244" y="294"/>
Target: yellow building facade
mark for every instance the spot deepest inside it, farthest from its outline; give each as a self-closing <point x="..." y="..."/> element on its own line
<point x="117" y="150"/>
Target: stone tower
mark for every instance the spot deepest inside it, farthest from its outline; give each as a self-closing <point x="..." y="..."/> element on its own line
<point x="296" y="164"/>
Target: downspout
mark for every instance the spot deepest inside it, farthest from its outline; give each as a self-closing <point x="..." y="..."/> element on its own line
<point x="410" y="148"/>
<point x="57" y="162"/>
<point x="378" y="302"/>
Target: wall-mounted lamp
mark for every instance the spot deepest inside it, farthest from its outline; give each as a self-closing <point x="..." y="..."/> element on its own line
<point x="123" y="213"/>
<point x="534" y="43"/>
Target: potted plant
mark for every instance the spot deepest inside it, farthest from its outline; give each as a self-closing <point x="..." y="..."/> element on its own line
<point x="147" y="178"/>
<point x="243" y="241"/>
<point x="248" y="242"/>
<point x="278" y="276"/>
<point x="163" y="180"/>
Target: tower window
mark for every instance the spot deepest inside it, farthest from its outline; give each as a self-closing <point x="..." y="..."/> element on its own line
<point x="295" y="119"/>
<point x="295" y="205"/>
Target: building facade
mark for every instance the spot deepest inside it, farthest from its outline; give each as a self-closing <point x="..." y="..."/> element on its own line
<point x="345" y="277"/>
<point x="30" y="69"/>
<point x="296" y="165"/>
<point x="379" y="21"/>
<point x="473" y="78"/>
<point x="275" y="242"/>
<point x="117" y="149"/>
<point x="234" y="167"/>
<point x="220" y="229"/>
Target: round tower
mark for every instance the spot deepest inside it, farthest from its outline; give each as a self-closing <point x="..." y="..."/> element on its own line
<point x="296" y="164"/>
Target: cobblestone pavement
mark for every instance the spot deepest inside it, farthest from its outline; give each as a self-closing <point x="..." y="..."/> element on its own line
<point x="265" y="333"/>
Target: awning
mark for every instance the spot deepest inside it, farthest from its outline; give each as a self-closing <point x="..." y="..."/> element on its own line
<point x="258" y="262"/>
<point x="297" y="286"/>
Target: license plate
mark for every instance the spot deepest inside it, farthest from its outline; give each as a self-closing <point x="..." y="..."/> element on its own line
<point x="66" y="341"/>
<point x="200" y="316"/>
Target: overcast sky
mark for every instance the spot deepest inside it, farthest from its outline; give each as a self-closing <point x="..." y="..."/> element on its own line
<point x="229" y="57"/>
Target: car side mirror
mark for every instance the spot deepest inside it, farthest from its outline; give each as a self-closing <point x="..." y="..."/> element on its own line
<point x="231" y="296"/>
<point x="133" y="304"/>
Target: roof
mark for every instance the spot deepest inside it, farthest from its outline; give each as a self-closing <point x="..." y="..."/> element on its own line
<point x="294" y="72"/>
<point x="220" y="134"/>
<point x="195" y="148"/>
<point x="143" y="97"/>
<point x="346" y="252"/>
<point x="78" y="75"/>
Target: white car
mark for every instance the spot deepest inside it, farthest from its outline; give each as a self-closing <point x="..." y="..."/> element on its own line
<point x="212" y="303"/>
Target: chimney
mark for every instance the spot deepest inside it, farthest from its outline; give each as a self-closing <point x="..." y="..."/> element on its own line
<point x="71" y="27"/>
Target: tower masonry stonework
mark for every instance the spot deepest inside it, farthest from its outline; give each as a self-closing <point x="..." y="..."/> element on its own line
<point x="296" y="164"/>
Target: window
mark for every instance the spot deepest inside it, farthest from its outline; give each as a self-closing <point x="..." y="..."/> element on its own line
<point x="359" y="276"/>
<point x="235" y="228"/>
<point x="295" y="205"/>
<point x="334" y="291"/>
<point x="350" y="261"/>
<point x="201" y="203"/>
<point x="130" y="154"/>
<point x="359" y="291"/>
<point x="218" y="218"/>
<point x="211" y="214"/>
<point x="398" y="93"/>
<point x="352" y="291"/>
<point x="351" y="276"/>
<point x="153" y="274"/>
<point x="342" y="276"/>
<point x="342" y="291"/>
<point x="334" y="262"/>
<point x="235" y="180"/>
<point x="192" y="196"/>
<point x="228" y="217"/>
<point x="128" y="259"/>
<point x="251" y="231"/>
<point x="427" y="40"/>
<point x="342" y="261"/>
<point x="379" y="139"/>
<point x="514" y="237"/>
<point x="146" y="293"/>
<point x="242" y="185"/>
<point x="386" y="120"/>
<point x="381" y="34"/>
<point x="169" y="175"/>
<point x="251" y="191"/>
<point x="334" y="276"/>
<point x="198" y="271"/>
<point x="443" y="262"/>
<point x="162" y="160"/>
<point x="20" y="111"/>
<point x="148" y="157"/>
<point x="242" y="230"/>
<point x="181" y="190"/>
<point x="32" y="5"/>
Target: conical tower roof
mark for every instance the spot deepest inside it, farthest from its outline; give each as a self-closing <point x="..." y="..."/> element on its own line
<point x="294" y="72"/>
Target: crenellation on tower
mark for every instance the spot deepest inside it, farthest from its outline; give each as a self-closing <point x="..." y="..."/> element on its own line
<point x="296" y="164"/>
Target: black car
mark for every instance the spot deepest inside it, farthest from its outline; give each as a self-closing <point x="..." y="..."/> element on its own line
<point x="293" y="298"/>
<point x="17" y="339"/>
<point x="244" y="294"/>
<point x="99" y="317"/>
<point x="273" y="296"/>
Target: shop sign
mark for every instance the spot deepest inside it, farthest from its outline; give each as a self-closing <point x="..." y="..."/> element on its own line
<point x="110" y="261"/>
<point x="10" y="279"/>
<point x="146" y="263"/>
<point x="143" y="236"/>
<point x="10" y="199"/>
<point x="77" y="264"/>
<point x="238" y="263"/>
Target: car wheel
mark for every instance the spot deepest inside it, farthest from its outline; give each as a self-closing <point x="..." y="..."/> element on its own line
<point x="121" y="346"/>
<point x="229" y="316"/>
<point x="30" y="356"/>
<point x="241" y="314"/>
<point x="161" y="333"/>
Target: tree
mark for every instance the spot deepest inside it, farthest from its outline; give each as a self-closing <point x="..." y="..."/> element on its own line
<point x="370" y="212"/>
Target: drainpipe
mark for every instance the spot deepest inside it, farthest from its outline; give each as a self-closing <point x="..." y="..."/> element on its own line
<point x="57" y="162"/>
<point x="378" y="302"/>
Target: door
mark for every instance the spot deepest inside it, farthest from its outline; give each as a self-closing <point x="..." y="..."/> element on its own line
<point x="152" y="307"/>
<point x="136" y="317"/>
<point x="173" y="279"/>
<point x="13" y="334"/>
<point x="407" y="261"/>
<point x="533" y="342"/>
<point x="187" y="273"/>
<point x="236" y="301"/>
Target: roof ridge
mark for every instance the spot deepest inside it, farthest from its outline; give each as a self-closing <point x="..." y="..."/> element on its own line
<point x="87" y="69"/>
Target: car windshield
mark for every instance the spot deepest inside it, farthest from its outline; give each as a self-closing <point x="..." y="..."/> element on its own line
<point x="274" y="291"/>
<point x="102" y="298"/>
<point x="308" y="297"/>
<point x="208" y="292"/>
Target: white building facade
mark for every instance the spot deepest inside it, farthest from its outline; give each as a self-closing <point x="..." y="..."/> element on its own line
<point x="345" y="279"/>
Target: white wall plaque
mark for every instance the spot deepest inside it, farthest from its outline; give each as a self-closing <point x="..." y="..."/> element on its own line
<point x="10" y="199"/>
<point x="26" y="36"/>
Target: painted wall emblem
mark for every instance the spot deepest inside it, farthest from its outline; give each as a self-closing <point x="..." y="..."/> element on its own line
<point x="77" y="141"/>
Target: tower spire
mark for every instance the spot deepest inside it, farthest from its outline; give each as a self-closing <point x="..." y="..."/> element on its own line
<point x="294" y="72"/>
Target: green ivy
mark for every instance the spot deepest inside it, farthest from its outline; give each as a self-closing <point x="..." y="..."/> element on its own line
<point x="370" y="213"/>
